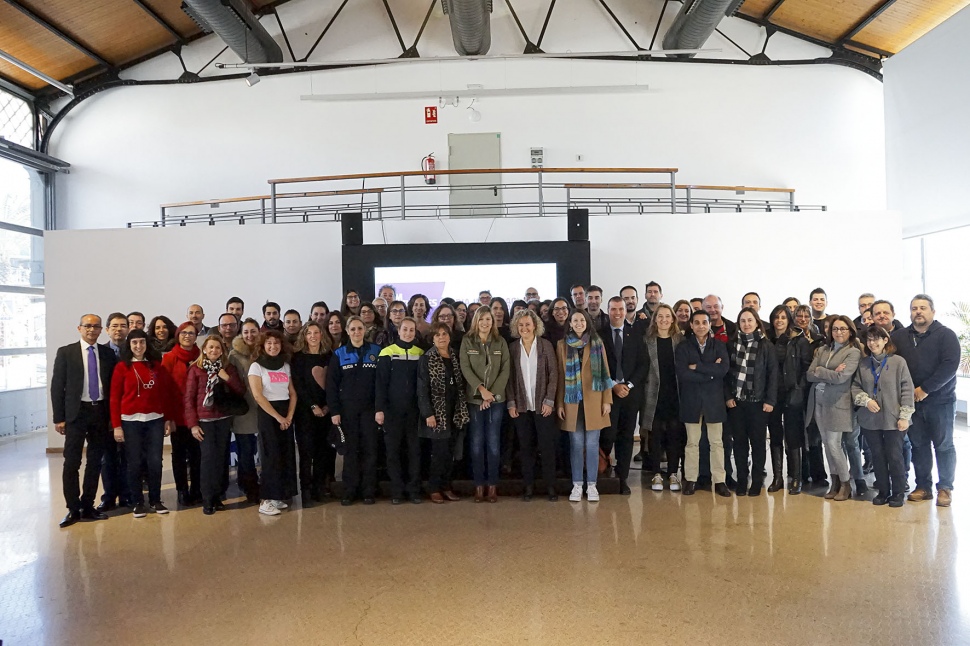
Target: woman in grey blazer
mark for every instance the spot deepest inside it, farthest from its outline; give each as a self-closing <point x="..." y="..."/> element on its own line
<point x="830" y="399"/>
<point x="660" y="411"/>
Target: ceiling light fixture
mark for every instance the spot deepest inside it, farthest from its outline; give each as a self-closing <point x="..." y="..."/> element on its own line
<point x="252" y="79"/>
<point x="473" y="115"/>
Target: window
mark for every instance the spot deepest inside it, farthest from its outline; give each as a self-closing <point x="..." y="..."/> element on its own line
<point x="16" y="120"/>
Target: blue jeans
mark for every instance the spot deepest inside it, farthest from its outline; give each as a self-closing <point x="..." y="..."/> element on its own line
<point x="485" y="432"/>
<point x="582" y="441"/>
<point x="933" y="425"/>
<point x="143" y="446"/>
<point x="850" y="444"/>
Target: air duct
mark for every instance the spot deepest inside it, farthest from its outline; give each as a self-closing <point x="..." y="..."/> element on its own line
<point x="235" y="24"/>
<point x="696" y="21"/>
<point x="471" y="28"/>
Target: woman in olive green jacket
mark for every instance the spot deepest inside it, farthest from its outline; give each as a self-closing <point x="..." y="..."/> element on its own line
<point x="486" y="368"/>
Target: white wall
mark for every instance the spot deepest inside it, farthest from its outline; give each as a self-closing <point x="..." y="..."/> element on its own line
<point x="927" y="138"/>
<point x="165" y="270"/>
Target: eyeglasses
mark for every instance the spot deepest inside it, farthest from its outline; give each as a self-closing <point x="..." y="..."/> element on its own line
<point x="188" y="333"/>
<point x="560" y="309"/>
<point x="398" y="310"/>
<point x="840" y="329"/>
<point x="88" y="326"/>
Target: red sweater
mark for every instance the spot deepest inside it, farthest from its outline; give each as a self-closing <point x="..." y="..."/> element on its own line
<point x="129" y="396"/>
<point x="177" y="362"/>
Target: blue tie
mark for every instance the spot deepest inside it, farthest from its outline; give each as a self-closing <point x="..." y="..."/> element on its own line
<point x="93" y="391"/>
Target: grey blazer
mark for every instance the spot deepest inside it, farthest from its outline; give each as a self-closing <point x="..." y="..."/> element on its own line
<point x="834" y="411"/>
<point x="652" y="391"/>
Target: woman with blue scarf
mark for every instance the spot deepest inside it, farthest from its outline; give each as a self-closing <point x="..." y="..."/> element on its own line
<point x="583" y="399"/>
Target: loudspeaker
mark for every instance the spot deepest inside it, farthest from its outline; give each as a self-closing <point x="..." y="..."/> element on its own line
<point x="352" y="228"/>
<point x="578" y="225"/>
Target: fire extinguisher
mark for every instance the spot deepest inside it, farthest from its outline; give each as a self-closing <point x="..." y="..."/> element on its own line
<point x="427" y="165"/>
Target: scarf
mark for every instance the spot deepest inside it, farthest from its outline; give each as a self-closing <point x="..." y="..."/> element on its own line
<point x="212" y="369"/>
<point x="745" y="354"/>
<point x="439" y="389"/>
<point x="163" y="346"/>
<point x="271" y="363"/>
<point x="574" y="367"/>
<point x="186" y="356"/>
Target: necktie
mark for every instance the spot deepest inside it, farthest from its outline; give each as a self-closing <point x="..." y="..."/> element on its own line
<point x="618" y="349"/>
<point x="93" y="391"/>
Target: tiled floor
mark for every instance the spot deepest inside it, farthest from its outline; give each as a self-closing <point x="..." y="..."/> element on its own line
<point x="649" y="568"/>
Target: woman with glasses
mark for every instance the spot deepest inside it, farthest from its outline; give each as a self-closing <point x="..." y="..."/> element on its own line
<point x="244" y="426"/>
<point x="186" y="453"/>
<point x="446" y="314"/>
<point x="350" y="305"/>
<point x="830" y="398"/>
<point x="143" y="403"/>
<point x="584" y="398"/>
<point x="558" y="315"/>
<point x="461" y="314"/>
<point x="396" y="312"/>
<point x="162" y="334"/>
<point x="210" y="424"/>
<point x="485" y="366"/>
<point x="373" y="324"/>
<point x="380" y="306"/>
<point x="883" y="389"/>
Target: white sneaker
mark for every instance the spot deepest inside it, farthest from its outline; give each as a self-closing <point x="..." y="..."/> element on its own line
<point x="279" y="504"/>
<point x="577" y="493"/>
<point x="592" y="494"/>
<point x="268" y="508"/>
<point x="674" y="482"/>
<point x="657" y="484"/>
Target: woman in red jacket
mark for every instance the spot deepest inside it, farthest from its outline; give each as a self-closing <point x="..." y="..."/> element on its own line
<point x="210" y="425"/>
<point x="186" y="456"/>
<point x="142" y="409"/>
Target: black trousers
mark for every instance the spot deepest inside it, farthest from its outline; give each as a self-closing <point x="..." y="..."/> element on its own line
<point x="534" y="429"/>
<point x="360" y="460"/>
<point x="749" y="427"/>
<point x="114" y="471"/>
<point x="311" y="441"/>
<point x="91" y="426"/>
<point x="887" y="460"/>
<point x="786" y="427"/>
<point x="401" y="432"/>
<point x="277" y="452"/>
<point x="442" y="462"/>
<point x="186" y="461"/>
<point x="143" y="447"/>
<point x="668" y="436"/>
<point x="213" y="457"/>
<point x="623" y="422"/>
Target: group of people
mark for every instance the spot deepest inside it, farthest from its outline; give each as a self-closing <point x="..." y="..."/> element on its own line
<point x="400" y="386"/>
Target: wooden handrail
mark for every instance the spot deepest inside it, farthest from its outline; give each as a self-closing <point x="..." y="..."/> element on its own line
<point x="253" y="198"/>
<point x="469" y="171"/>
<point x="698" y="187"/>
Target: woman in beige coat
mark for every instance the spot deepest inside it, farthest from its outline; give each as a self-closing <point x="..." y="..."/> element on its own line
<point x="584" y="398"/>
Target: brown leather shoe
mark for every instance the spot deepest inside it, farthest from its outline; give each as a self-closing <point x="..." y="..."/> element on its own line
<point x="479" y="494"/>
<point x="451" y="495"/>
<point x="943" y="498"/>
<point x="492" y="493"/>
<point x="437" y="498"/>
<point x="833" y="492"/>
<point x="919" y="495"/>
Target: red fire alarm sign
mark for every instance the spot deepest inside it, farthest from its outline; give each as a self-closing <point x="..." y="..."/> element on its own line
<point x="431" y="114"/>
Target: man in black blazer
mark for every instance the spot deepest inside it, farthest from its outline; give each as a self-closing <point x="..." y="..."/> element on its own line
<point x="626" y="354"/>
<point x="80" y="393"/>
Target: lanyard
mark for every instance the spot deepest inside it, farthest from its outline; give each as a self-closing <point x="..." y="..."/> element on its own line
<point x="876" y="374"/>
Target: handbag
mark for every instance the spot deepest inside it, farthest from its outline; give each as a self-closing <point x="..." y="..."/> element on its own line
<point x="228" y="401"/>
<point x="603" y="464"/>
<point x="337" y="439"/>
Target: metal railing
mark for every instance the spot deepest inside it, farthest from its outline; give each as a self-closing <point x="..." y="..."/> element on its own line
<point x="406" y="195"/>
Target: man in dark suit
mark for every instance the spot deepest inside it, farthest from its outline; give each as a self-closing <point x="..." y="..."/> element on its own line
<point x="80" y="392"/>
<point x="626" y="355"/>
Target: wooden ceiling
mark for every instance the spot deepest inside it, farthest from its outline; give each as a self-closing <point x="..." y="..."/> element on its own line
<point x="74" y="39"/>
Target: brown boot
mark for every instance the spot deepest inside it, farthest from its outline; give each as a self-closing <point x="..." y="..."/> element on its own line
<point x="492" y="493"/>
<point x="845" y="492"/>
<point x="437" y="498"/>
<point x="479" y="494"/>
<point x="835" y="488"/>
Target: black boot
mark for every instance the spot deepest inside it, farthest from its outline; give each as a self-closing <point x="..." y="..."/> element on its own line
<point x="777" y="466"/>
<point x="795" y="468"/>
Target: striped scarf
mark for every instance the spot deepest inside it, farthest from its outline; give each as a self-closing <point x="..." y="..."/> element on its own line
<point x="745" y="355"/>
<point x="574" y="367"/>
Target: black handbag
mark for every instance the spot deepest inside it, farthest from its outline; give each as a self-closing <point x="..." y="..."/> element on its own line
<point x="227" y="401"/>
<point x="337" y="439"/>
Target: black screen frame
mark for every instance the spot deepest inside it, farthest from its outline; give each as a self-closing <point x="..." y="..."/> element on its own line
<point x="572" y="259"/>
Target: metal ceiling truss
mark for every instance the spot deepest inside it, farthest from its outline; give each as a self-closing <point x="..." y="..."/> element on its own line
<point x="862" y="24"/>
<point x="162" y="22"/>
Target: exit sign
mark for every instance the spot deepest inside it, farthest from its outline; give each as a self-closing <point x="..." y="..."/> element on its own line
<point x="431" y="114"/>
